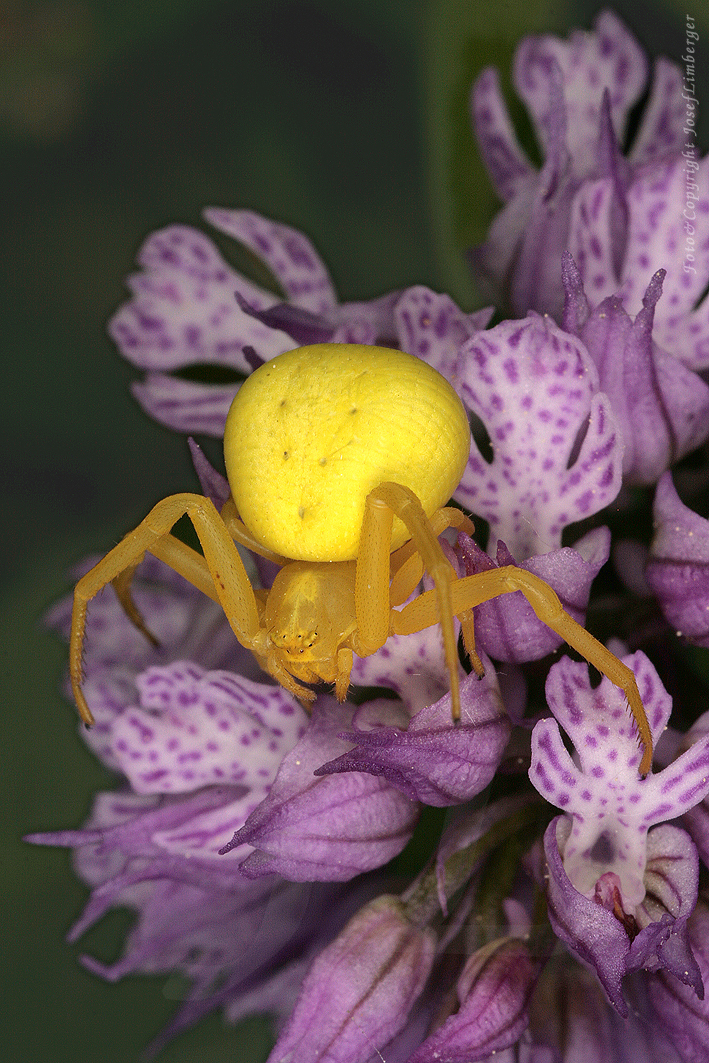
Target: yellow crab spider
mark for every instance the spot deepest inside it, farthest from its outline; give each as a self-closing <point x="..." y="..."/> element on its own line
<point x="339" y="459"/>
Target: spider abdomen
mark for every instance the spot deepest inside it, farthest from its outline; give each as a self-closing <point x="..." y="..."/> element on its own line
<point x="313" y="431"/>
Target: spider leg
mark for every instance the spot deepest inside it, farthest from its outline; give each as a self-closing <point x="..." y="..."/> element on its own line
<point x="407" y="572"/>
<point x="227" y="580"/>
<point x="275" y="668"/>
<point x="482" y="587"/>
<point x="344" y="664"/>
<point x="238" y="531"/>
<point x="180" y="557"/>
<point x="121" y="585"/>
<point x="406" y="562"/>
<point x="374" y="623"/>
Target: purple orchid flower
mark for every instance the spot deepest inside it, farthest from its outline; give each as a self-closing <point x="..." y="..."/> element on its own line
<point x="667" y="207"/>
<point x="621" y="218"/>
<point x="426" y="757"/>
<point x="251" y="840"/>
<point x="557" y="456"/>
<point x="619" y="893"/>
<point x="190" y="308"/>
<point x="359" y="991"/>
<point x="661" y="407"/>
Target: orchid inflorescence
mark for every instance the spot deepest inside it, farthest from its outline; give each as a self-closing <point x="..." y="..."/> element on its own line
<point x="565" y="919"/>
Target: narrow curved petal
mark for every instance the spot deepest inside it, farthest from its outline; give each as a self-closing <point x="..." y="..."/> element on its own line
<point x="213" y="484"/>
<point x="184" y="405"/>
<point x="534" y="283"/>
<point x="661" y="129"/>
<point x="504" y="159"/>
<point x="289" y="255"/>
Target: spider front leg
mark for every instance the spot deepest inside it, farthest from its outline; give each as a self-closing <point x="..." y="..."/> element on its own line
<point x="483" y="586"/>
<point x="372" y="602"/>
<point x="230" y="584"/>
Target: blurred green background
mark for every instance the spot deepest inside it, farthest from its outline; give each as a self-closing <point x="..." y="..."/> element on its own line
<point x="345" y="118"/>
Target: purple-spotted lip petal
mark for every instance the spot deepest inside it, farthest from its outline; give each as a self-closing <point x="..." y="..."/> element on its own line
<point x="678" y="565"/>
<point x="611" y="808"/>
<point x="412" y="665"/>
<point x="431" y="327"/>
<point x="535" y="388"/>
<point x="192" y="728"/>
<point x="325" y="829"/>
<point x="433" y="761"/>
<point x="190" y="308"/>
<point x="607" y="59"/>
<point x="195" y="917"/>
<point x="188" y="626"/>
<point x="185" y="405"/>
<point x="184" y="310"/>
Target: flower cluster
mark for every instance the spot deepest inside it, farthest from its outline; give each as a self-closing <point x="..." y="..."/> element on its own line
<point x="560" y="915"/>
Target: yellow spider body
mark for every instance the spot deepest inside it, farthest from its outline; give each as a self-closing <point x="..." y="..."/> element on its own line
<point x="339" y="459"/>
<point x="312" y="432"/>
